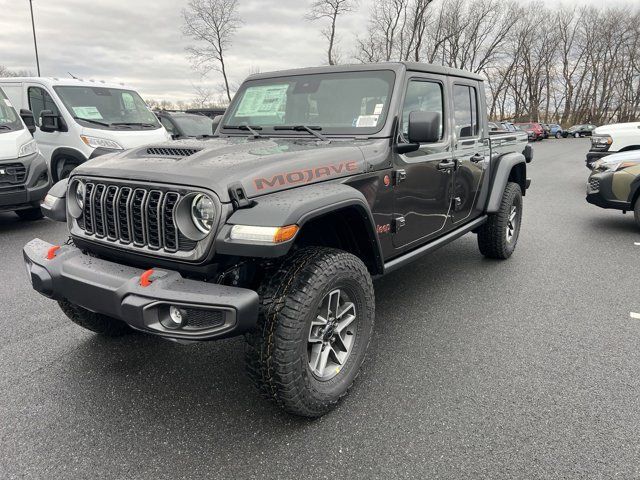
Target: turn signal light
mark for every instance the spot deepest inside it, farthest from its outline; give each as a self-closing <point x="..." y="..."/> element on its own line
<point x="263" y="234"/>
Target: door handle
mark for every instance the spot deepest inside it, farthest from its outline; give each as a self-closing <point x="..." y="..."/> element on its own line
<point x="447" y="165"/>
<point x="477" y="158"/>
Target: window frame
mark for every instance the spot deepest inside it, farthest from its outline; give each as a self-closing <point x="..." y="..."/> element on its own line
<point x="44" y="91"/>
<point x="444" y="139"/>
<point x="474" y="86"/>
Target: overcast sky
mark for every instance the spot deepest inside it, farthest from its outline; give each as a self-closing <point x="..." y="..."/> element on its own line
<point x="139" y="42"/>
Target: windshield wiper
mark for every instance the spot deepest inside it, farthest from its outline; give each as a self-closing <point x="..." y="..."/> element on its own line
<point x="303" y="128"/>
<point x="134" y="124"/>
<point x="93" y="121"/>
<point x="250" y="128"/>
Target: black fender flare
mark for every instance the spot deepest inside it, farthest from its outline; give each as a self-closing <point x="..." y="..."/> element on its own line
<point x="64" y="152"/>
<point x="296" y="206"/>
<point x="501" y="173"/>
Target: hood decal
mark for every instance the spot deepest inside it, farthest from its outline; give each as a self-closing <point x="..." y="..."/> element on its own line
<point x="300" y="177"/>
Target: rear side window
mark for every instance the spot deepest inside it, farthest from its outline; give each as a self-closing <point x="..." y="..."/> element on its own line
<point x="422" y="96"/>
<point x="40" y="100"/>
<point x="465" y="105"/>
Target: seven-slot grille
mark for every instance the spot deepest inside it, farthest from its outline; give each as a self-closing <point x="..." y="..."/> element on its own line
<point x="142" y="217"/>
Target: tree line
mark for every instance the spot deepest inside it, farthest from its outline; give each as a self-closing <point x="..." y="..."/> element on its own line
<point x="563" y="64"/>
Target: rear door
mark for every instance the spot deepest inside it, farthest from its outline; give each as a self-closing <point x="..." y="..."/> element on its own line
<point x="422" y="189"/>
<point x="470" y="149"/>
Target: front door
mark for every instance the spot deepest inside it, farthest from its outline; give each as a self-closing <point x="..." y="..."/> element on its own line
<point x="38" y="100"/>
<point x="422" y="187"/>
<point x="470" y="149"/>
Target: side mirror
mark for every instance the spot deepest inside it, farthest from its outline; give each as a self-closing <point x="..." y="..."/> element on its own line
<point x="216" y="121"/>
<point x="424" y="127"/>
<point x="49" y="121"/>
<point x="54" y="205"/>
<point x="29" y="121"/>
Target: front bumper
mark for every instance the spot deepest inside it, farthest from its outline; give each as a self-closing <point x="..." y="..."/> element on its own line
<point x="600" y="192"/>
<point x="594" y="156"/>
<point x="116" y="290"/>
<point x="29" y="193"/>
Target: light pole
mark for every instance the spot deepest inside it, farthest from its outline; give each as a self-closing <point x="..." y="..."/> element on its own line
<point x="35" y="43"/>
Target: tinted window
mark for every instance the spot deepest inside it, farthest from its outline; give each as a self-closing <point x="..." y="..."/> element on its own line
<point x="167" y="124"/>
<point x="40" y="100"/>
<point x="423" y="97"/>
<point x="465" y="103"/>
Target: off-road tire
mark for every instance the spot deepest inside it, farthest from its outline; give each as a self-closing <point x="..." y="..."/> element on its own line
<point x="30" y="214"/>
<point x="276" y="351"/>
<point x="492" y="235"/>
<point x="96" y="322"/>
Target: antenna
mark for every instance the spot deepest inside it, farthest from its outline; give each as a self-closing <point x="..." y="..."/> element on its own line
<point x="73" y="76"/>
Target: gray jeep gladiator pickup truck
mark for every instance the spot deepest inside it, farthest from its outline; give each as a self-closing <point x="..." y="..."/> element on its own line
<point x="319" y="180"/>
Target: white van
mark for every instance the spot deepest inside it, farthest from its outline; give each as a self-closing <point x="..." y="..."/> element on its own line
<point x="24" y="177"/>
<point x="77" y="120"/>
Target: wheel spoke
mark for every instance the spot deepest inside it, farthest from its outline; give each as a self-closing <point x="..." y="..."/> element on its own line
<point x="337" y="356"/>
<point x="345" y="322"/>
<point x="314" y="357"/>
<point x="322" y="360"/>
<point x="333" y="304"/>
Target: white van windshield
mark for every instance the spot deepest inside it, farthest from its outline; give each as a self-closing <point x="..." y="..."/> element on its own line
<point x="112" y="108"/>
<point x="9" y="119"/>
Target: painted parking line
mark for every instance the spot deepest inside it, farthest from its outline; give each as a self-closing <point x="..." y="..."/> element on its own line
<point x="636" y="243"/>
<point x="635" y="315"/>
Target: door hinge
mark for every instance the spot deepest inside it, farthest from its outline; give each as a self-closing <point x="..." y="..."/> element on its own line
<point x="398" y="223"/>
<point x="399" y="176"/>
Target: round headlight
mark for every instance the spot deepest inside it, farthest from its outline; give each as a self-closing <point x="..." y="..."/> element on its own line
<point x="80" y="194"/>
<point x="203" y="212"/>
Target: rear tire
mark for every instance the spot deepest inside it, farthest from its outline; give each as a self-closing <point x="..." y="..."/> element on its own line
<point x="497" y="238"/>
<point x="284" y="354"/>
<point x="96" y="322"/>
<point x="30" y="214"/>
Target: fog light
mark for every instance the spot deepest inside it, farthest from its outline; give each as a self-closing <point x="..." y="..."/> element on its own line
<point x="176" y="318"/>
<point x="176" y="315"/>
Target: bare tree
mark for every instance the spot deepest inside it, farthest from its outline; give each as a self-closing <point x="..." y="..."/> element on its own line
<point x="211" y="23"/>
<point x="330" y="10"/>
<point x="7" y="72"/>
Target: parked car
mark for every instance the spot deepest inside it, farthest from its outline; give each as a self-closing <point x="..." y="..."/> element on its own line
<point x="546" y="130"/>
<point x="186" y="125"/>
<point x="77" y="120"/>
<point x="610" y="139"/>
<point x="494" y="127"/>
<point x="555" y="130"/>
<point x="24" y="176"/>
<point x="275" y="229"/>
<point x="578" y="131"/>
<point x="615" y="183"/>
<point x="534" y="130"/>
<point x="509" y="127"/>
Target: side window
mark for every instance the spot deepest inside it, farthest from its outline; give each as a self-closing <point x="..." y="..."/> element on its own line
<point x="422" y="96"/>
<point x="465" y="104"/>
<point x="40" y="100"/>
<point x="167" y="124"/>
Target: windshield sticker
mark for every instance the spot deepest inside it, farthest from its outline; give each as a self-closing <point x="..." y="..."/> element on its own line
<point x="127" y="100"/>
<point x="367" y="121"/>
<point x="90" y="113"/>
<point x="378" y="109"/>
<point x="263" y="101"/>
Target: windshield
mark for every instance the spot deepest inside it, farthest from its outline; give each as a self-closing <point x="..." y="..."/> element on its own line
<point x="100" y="107"/>
<point x="526" y="126"/>
<point x="9" y="119"/>
<point x="194" y="125"/>
<point x="340" y="103"/>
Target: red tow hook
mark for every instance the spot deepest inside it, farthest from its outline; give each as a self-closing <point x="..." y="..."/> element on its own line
<point x="51" y="253"/>
<point x="144" y="278"/>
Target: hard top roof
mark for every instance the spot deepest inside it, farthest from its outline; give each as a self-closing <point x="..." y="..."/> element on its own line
<point x="395" y="66"/>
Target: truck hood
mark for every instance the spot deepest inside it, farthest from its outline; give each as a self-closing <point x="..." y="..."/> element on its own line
<point x="631" y="128"/>
<point x="10" y="143"/>
<point x="262" y="165"/>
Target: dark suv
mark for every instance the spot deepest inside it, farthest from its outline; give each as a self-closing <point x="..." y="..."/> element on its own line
<point x="321" y="180"/>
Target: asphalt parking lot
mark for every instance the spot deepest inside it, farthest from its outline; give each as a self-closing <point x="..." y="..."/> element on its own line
<point x="527" y="368"/>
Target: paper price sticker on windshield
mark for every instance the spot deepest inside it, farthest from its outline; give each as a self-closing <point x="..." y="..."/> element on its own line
<point x="378" y="109"/>
<point x="263" y="101"/>
<point x="367" y="121"/>
<point x="91" y="113"/>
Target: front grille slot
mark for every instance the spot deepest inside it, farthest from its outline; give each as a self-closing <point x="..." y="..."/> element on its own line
<point x="144" y="218"/>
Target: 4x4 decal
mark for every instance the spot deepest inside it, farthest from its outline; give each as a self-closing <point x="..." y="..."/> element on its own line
<point x="305" y="176"/>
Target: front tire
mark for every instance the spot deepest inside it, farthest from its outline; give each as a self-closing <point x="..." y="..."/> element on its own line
<point x="96" y="322"/>
<point x="67" y="168"/>
<point x="636" y="212"/>
<point x="315" y="323"/>
<point x="558" y="135"/>
<point x="497" y="238"/>
<point x="30" y="214"/>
